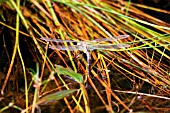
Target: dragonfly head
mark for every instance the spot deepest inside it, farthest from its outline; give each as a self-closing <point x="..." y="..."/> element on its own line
<point x="81" y="43"/>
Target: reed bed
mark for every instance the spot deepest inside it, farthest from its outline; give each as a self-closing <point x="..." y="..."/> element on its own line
<point x="129" y="79"/>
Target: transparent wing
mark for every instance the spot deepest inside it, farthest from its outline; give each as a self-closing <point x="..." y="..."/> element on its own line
<point x="90" y="47"/>
<point x="55" y="40"/>
<point x="107" y="46"/>
<point x="95" y="40"/>
<point x="71" y="48"/>
<point x="110" y="39"/>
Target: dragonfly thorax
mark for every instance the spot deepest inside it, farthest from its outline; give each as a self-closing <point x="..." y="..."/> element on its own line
<point x="84" y="46"/>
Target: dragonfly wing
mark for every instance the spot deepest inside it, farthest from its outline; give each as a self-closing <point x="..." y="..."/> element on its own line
<point x="55" y="40"/>
<point x="111" y="38"/>
<point x="121" y="37"/>
<point x="71" y="48"/>
<point x="107" y="47"/>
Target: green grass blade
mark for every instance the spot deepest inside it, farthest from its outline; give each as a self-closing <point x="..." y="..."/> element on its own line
<point x="67" y="71"/>
<point x="55" y="96"/>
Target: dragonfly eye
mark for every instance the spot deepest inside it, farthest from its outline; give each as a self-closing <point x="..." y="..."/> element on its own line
<point x="81" y="43"/>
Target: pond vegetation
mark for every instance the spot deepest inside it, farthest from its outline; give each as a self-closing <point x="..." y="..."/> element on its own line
<point x="35" y="78"/>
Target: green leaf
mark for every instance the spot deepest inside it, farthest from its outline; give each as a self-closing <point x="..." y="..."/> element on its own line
<point x="55" y="96"/>
<point x="67" y="71"/>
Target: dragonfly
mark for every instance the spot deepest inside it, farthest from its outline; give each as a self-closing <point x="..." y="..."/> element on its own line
<point x="87" y="46"/>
